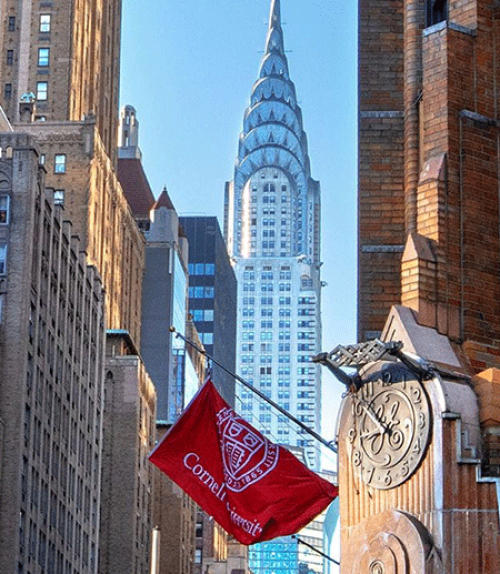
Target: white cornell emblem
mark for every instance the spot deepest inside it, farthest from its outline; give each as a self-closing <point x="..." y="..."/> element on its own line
<point x="246" y="455"/>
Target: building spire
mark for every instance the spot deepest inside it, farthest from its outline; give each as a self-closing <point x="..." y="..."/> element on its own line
<point x="274" y="40"/>
<point x="275" y="15"/>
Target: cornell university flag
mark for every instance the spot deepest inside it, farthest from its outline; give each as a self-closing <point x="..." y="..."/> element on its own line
<point x="253" y="488"/>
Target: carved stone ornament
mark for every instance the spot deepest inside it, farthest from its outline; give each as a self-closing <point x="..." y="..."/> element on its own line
<point x="389" y="425"/>
<point x="390" y="543"/>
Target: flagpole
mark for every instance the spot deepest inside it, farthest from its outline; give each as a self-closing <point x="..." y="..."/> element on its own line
<point x="257" y="392"/>
<point x="300" y="541"/>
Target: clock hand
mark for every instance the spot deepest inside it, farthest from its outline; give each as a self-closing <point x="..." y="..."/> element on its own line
<point x="382" y="426"/>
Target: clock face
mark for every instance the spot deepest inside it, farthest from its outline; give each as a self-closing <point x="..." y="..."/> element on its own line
<point x="390" y="426"/>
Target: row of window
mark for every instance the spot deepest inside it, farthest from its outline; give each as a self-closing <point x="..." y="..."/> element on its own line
<point x="267" y="287"/>
<point x="201" y="268"/>
<point x="267" y="276"/>
<point x="200" y="292"/>
<point x="200" y="315"/>
<point x="42" y="93"/>
<point x="43" y="23"/>
<point x="267" y="370"/>
<point x="269" y="301"/>
<point x="43" y="57"/>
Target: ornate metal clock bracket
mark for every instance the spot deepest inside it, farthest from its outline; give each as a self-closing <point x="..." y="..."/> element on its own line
<point x="358" y="355"/>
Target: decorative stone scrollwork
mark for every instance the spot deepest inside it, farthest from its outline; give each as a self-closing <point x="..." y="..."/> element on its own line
<point x="390" y="543"/>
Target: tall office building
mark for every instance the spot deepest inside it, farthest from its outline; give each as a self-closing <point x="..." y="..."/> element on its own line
<point x="212" y="297"/>
<point x="272" y="228"/>
<point x="51" y="378"/>
<point x="165" y="290"/>
<point x="64" y="57"/>
<point x="60" y="82"/>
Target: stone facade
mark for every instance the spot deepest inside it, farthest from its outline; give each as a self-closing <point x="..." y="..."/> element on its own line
<point x="51" y="391"/>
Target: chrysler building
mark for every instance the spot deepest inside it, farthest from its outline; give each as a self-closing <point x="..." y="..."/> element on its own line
<point x="272" y="229"/>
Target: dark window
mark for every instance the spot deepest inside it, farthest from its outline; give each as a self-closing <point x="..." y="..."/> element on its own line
<point x="12" y="23"/>
<point x="10" y="57"/>
<point x="4" y="209"/>
<point x="3" y="259"/>
<point x="437" y="11"/>
<point x="8" y="91"/>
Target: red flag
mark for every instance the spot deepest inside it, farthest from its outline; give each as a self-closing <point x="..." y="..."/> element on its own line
<point x="253" y="488"/>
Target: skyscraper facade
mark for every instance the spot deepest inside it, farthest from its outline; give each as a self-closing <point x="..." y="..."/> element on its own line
<point x="60" y="81"/>
<point x="272" y="229"/>
<point x="212" y="297"/>
<point x="165" y="290"/>
<point x="51" y="378"/>
<point x="66" y="58"/>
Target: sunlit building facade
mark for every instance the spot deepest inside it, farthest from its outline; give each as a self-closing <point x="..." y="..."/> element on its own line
<point x="272" y="228"/>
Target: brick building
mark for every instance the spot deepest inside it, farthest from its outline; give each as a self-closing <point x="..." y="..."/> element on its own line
<point x="51" y="384"/>
<point x="60" y="80"/>
<point x="85" y="182"/>
<point x="60" y="75"/>
<point x="418" y="441"/>
<point x="427" y="144"/>
<point x="127" y="476"/>
<point x="67" y="56"/>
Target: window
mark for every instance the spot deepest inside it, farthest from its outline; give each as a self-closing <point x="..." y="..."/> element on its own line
<point x="41" y="161"/>
<point x="59" y="197"/>
<point x="10" y="57"/>
<point x="437" y="11"/>
<point x="42" y="90"/>
<point x="3" y="259"/>
<point x="7" y="92"/>
<point x="4" y="209"/>
<point x="60" y="163"/>
<point x="12" y="23"/>
<point x="43" y="56"/>
<point x="44" y="22"/>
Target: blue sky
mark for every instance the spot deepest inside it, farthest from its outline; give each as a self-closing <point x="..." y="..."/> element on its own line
<point x="188" y="68"/>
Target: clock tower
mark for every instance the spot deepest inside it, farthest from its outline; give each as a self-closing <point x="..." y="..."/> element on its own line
<point x="418" y="448"/>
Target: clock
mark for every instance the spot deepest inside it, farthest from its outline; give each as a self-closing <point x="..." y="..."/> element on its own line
<point x="389" y="426"/>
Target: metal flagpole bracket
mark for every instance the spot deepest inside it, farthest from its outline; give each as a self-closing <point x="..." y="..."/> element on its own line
<point x="359" y="355"/>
